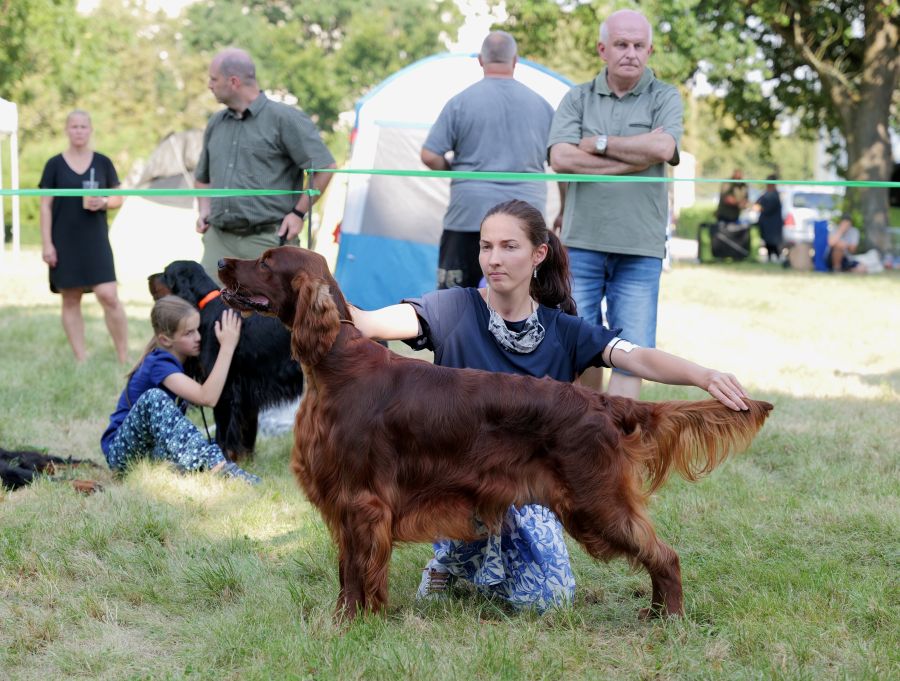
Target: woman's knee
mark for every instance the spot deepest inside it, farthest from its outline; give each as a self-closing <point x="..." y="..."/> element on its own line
<point x="155" y="396"/>
<point x="71" y="297"/>
<point x="107" y="295"/>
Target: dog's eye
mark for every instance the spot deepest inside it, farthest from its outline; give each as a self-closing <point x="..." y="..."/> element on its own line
<point x="265" y="265"/>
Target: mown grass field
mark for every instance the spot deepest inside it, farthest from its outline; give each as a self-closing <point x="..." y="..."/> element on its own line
<point x="790" y="552"/>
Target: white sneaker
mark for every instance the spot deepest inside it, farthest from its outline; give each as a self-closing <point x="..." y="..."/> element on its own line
<point x="435" y="583"/>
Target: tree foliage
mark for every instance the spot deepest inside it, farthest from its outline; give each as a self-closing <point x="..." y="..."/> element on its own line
<point x="326" y="54"/>
<point x="142" y="74"/>
<point x="830" y="65"/>
<point x="827" y="65"/>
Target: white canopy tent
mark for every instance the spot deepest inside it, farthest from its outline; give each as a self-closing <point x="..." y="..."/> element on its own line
<point x="9" y="128"/>
<point x="149" y="232"/>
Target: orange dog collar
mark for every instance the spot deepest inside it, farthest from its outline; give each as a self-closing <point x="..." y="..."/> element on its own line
<point x="212" y="295"/>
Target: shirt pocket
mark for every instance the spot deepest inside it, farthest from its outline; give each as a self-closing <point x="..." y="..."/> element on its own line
<point x="639" y="126"/>
<point x="260" y="164"/>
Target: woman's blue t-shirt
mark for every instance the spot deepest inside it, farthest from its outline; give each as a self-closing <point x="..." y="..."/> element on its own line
<point x="455" y="327"/>
<point x="157" y="366"/>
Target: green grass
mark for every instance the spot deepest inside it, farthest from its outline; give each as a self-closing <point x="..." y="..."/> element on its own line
<point x="789" y="552"/>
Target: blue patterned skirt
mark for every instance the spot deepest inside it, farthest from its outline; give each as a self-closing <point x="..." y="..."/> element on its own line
<point x="526" y="565"/>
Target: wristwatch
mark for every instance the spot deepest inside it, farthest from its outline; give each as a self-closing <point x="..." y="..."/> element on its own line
<point x="600" y="144"/>
<point x="299" y="213"/>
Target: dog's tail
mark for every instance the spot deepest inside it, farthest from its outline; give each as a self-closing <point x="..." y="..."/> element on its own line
<point x="691" y="437"/>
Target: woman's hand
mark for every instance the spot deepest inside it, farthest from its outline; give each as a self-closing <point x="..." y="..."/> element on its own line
<point x="727" y="389"/>
<point x="95" y="203"/>
<point x="228" y="329"/>
<point x="49" y="255"/>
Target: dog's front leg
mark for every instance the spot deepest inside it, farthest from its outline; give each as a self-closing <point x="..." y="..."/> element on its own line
<point x="365" y="554"/>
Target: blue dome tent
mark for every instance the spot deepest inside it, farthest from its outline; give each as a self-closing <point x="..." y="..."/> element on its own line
<point x="391" y="225"/>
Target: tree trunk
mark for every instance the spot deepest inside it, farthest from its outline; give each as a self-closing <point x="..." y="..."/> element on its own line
<point x="865" y="122"/>
<point x="869" y="160"/>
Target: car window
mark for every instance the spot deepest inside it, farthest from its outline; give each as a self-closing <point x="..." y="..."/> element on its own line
<point x="817" y="201"/>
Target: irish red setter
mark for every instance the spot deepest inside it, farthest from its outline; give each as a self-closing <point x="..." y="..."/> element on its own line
<point x="391" y="449"/>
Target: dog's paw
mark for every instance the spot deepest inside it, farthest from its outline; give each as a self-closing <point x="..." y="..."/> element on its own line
<point x="87" y="486"/>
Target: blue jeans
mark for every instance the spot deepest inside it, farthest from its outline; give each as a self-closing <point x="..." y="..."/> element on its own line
<point x="630" y="284"/>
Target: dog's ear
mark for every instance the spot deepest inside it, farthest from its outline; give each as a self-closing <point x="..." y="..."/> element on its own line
<point x="316" y="322"/>
<point x="157" y="285"/>
<point x="179" y="283"/>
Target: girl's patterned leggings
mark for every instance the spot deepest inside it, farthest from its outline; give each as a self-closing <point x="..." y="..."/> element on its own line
<point x="156" y="428"/>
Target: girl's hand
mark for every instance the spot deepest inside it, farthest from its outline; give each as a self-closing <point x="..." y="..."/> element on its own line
<point x="228" y="329"/>
<point x="727" y="389"/>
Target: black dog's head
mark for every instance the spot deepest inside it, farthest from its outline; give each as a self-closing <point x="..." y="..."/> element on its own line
<point x="184" y="278"/>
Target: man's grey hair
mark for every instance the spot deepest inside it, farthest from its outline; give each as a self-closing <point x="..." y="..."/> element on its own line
<point x="604" y="31"/>
<point x="236" y="62"/>
<point x="498" y="48"/>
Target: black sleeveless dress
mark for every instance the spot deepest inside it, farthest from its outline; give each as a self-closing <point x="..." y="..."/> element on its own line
<point x="81" y="237"/>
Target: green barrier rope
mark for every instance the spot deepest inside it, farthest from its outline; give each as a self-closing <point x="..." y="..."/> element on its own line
<point x="156" y="192"/>
<point x="452" y="174"/>
<point x="571" y="177"/>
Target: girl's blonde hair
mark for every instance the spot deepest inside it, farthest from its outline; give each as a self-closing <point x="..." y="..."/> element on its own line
<point x="166" y="316"/>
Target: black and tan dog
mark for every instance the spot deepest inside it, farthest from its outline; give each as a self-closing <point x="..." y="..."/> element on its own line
<point x="21" y="467"/>
<point x="262" y="373"/>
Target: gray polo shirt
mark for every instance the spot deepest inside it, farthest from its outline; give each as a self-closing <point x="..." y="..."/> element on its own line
<point x="499" y="125"/>
<point x="618" y="217"/>
<point x="267" y="148"/>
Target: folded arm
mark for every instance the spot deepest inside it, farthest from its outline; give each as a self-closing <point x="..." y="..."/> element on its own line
<point x="570" y="158"/>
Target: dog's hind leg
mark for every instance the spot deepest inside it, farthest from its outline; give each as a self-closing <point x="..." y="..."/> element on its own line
<point x="365" y="554"/>
<point x="665" y="576"/>
<point x="236" y="427"/>
<point x="610" y="519"/>
<point x="249" y="424"/>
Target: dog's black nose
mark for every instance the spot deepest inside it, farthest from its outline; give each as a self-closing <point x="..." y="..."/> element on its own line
<point x="221" y="263"/>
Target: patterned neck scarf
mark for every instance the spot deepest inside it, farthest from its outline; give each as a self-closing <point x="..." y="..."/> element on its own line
<point x="521" y="342"/>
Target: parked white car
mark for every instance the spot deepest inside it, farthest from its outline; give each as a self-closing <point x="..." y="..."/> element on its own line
<point x="803" y="205"/>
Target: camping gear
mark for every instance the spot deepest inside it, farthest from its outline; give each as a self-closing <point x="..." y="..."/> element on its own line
<point x="727" y="241"/>
<point x="820" y="245"/>
<point x="799" y="257"/>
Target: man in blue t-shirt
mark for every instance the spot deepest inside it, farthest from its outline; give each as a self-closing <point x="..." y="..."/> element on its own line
<point x="500" y="125"/>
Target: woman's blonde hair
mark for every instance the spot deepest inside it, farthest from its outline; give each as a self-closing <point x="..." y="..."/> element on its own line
<point x="166" y="316"/>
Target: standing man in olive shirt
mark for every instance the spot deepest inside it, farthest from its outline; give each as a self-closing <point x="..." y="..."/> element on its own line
<point x="254" y="143"/>
<point x="624" y="122"/>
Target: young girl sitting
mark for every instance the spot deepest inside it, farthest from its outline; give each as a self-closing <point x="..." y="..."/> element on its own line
<point x="149" y="419"/>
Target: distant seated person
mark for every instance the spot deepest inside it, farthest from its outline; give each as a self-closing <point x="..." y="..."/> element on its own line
<point x="842" y="243"/>
<point x="732" y="199"/>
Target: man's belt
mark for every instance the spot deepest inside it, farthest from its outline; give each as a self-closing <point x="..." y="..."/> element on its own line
<point x="247" y="229"/>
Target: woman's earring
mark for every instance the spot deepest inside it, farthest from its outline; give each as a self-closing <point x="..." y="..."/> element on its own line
<point x="534" y="273"/>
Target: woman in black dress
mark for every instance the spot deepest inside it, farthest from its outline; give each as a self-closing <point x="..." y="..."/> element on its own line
<point x="771" y="221"/>
<point x="75" y="236"/>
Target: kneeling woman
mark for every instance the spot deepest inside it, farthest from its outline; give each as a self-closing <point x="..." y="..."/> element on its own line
<point x="522" y="322"/>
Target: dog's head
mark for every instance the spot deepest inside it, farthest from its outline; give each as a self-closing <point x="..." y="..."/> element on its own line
<point x="294" y="285"/>
<point x="184" y="278"/>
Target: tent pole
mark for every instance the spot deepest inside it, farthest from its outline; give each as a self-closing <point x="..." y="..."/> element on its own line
<point x="2" y="206"/>
<point x="14" y="177"/>
<point x="309" y="185"/>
